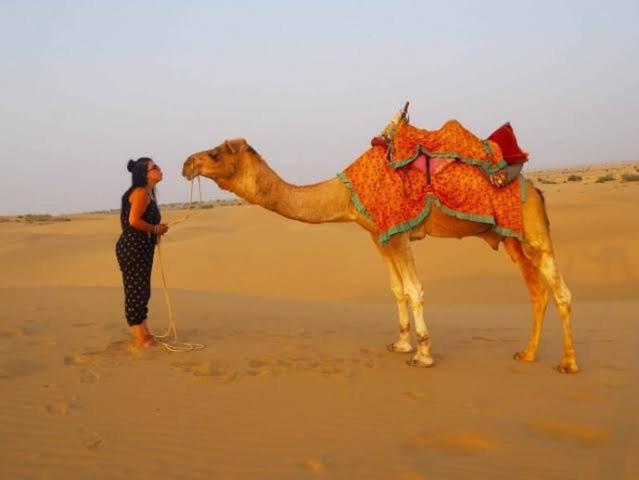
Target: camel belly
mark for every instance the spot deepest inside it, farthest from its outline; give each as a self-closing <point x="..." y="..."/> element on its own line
<point x="438" y="224"/>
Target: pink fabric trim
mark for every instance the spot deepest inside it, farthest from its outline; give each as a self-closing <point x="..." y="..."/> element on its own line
<point x="437" y="164"/>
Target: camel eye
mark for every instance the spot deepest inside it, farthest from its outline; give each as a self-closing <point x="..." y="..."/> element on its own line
<point x="213" y="156"/>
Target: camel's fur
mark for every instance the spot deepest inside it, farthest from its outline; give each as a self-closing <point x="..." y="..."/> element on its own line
<point x="235" y="166"/>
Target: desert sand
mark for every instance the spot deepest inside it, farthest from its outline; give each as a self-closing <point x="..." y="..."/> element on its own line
<point x="295" y="382"/>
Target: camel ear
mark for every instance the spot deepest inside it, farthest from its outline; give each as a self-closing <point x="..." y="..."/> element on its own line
<point x="229" y="145"/>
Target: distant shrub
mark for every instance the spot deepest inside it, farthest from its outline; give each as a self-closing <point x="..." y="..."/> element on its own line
<point x="42" y="218"/>
<point x="207" y="206"/>
<point x="33" y="218"/>
<point x="575" y="178"/>
<point x="605" y="178"/>
<point x="546" y="181"/>
<point x="630" y="177"/>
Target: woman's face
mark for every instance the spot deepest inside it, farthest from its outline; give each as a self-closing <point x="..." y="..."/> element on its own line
<point x="153" y="172"/>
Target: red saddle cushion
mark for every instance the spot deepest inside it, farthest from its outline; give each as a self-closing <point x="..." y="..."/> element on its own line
<point x="504" y="136"/>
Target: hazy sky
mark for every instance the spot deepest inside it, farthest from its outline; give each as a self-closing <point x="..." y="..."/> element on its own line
<point x="86" y="85"/>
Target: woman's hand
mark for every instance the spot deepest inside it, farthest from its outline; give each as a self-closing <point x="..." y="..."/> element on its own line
<point x="161" y="229"/>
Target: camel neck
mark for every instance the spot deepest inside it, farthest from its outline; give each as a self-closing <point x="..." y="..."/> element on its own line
<point x="328" y="201"/>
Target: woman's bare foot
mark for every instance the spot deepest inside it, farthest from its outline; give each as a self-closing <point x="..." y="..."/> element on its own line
<point x="146" y="341"/>
<point x="143" y="339"/>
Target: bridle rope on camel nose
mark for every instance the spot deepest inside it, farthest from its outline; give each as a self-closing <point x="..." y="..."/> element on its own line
<point x="199" y="186"/>
<point x="173" y="345"/>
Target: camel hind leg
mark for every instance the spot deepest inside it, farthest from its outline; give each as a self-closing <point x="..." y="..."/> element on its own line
<point x="538" y="296"/>
<point x="537" y="247"/>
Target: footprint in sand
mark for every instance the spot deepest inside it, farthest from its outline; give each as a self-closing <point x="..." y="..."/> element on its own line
<point x="206" y="369"/>
<point x="269" y="365"/>
<point x="61" y="407"/>
<point x="372" y="356"/>
<point x="581" y="434"/>
<point x="80" y="359"/>
<point x="457" y="443"/>
<point x="89" y="376"/>
<point x="416" y="395"/>
<point x="375" y="352"/>
<point x="314" y="465"/>
<point x="93" y="443"/>
<point x="14" y="332"/>
<point x="112" y="356"/>
<point x="264" y="365"/>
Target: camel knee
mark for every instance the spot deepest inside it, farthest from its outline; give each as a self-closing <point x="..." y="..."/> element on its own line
<point x="564" y="296"/>
<point x="398" y="292"/>
<point x="415" y="296"/>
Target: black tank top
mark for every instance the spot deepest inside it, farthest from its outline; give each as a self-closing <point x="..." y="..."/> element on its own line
<point x="151" y="215"/>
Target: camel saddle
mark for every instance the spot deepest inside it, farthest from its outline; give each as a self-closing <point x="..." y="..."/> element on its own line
<point x="499" y="156"/>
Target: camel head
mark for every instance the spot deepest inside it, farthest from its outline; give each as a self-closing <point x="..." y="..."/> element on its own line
<point x="229" y="164"/>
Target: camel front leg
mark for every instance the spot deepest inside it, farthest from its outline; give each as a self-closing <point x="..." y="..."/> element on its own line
<point x="401" y="256"/>
<point x="402" y="345"/>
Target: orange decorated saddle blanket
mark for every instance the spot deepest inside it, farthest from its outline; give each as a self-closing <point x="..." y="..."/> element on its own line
<point x="395" y="184"/>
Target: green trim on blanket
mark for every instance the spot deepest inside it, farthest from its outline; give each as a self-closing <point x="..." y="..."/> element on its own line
<point x="354" y="198"/>
<point x="407" y="225"/>
<point x="395" y="164"/>
<point x="506" y="232"/>
<point x="487" y="147"/>
<point x="430" y="199"/>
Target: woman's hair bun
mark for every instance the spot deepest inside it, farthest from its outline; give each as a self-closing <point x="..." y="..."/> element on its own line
<point x="131" y="165"/>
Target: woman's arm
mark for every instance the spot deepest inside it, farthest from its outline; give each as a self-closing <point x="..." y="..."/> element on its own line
<point x="139" y="201"/>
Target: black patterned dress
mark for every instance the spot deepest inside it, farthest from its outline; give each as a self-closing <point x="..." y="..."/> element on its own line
<point x="134" y="250"/>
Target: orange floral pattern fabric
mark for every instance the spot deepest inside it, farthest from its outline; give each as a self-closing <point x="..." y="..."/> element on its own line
<point x="397" y="199"/>
<point x="450" y="141"/>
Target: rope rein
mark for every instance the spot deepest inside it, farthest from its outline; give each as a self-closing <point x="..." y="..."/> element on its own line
<point x="169" y="339"/>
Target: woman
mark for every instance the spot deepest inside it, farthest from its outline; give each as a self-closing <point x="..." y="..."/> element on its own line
<point x="140" y="220"/>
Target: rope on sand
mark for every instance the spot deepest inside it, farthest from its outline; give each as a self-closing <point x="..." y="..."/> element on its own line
<point x="172" y="344"/>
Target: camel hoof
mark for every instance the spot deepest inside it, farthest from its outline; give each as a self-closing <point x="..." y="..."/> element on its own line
<point x="413" y="362"/>
<point x="524" y="357"/>
<point x="568" y="367"/>
<point x="391" y="347"/>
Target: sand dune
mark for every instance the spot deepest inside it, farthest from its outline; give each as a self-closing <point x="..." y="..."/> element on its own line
<point x="294" y="381"/>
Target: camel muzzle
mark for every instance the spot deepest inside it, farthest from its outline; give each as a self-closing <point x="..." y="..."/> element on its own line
<point x="188" y="170"/>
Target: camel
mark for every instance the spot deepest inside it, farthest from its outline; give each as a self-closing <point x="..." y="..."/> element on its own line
<point x="236" y="167"/>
